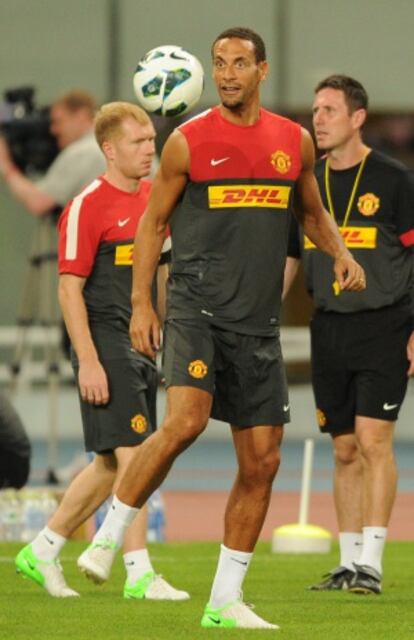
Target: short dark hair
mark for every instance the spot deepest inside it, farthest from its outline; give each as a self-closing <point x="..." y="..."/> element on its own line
<point x="244" y="34"/>
<point x="355" y="95"/>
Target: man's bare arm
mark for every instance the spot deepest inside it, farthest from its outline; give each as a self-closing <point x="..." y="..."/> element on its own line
<point x="93" y="384"/>
<point x="168" y="185"/>
<point x="410" y="354"/>
<point x="27" y="192"/>
<point x="162" y="275"/>
<point x="291" y="269"/>
<point x="318" y="224"/>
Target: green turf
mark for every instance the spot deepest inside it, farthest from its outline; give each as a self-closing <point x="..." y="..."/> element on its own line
<point x="275" y="583"/>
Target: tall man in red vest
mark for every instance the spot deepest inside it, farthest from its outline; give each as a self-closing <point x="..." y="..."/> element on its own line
<point x="227" y="182"/>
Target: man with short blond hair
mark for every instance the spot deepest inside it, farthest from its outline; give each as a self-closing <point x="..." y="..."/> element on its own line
<point x="109" y="119"/>
<point x="117" y="386"/>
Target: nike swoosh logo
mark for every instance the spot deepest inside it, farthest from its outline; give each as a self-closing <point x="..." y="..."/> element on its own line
<point x="215" y="162"/>
<point x="174" y="56"/>
<point x="388" y="407"/>
<point x="215" y="620"/>
<point x="240" y="562"/>
<point x="122" y="223"/>
<point x="379" y="537"/>
<point x="49" y="540"/>
<point x="286" y="407"/>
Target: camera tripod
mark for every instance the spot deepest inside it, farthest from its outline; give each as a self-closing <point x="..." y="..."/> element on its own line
<point x="39" y="307"/>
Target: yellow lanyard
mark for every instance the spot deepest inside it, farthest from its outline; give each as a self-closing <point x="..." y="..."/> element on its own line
<point x="353" y="192"/>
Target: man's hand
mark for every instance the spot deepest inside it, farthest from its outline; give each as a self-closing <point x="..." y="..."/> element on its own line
<point x="93" y="383"/>
<point x="144" y="330"/>
<point x="349" y="274"/>
<point x="410" y="354"/>
<point x="6" y="162"/>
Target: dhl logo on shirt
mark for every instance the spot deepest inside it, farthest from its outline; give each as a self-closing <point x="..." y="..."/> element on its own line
<point x="247" y="195"/>
<point x="354" y="238"/>
<point x="123" y="255"/>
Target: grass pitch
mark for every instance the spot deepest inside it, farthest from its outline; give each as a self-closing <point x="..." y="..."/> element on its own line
<point x="276" y="584"/>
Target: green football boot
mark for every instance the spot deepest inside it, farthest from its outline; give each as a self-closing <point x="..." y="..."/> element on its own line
<point x="48" y="575"/>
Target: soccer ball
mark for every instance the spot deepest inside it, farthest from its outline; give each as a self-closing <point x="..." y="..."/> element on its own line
<point x="168" y="81"/>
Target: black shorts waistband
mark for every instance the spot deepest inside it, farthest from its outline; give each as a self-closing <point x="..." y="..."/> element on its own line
<point x="402" y="303"/>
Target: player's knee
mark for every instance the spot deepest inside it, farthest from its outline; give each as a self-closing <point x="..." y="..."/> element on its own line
<point x="373" y="450"/>
<point x="258" y="471"/>
<point x="345" y="454"/>
<point x="271" y="465"/>
<point x="182" y="432"/>
<point x="346" y="457"/>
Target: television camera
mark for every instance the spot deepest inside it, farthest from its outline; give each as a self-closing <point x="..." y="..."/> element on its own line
<point x="25" y="127"/>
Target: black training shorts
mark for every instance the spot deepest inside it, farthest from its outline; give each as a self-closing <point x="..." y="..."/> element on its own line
<point x="245" y="374"/>
<point x="359" y="365"/>
<point x="130" y="415"/>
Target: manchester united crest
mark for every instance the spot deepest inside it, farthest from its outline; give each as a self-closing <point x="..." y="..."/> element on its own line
<point x="139" y="423"/>
<point x="368" y="204"/>
<point x="280" y="161"/>
<point x="321" y="418"/>
<point x="197" y="369"/>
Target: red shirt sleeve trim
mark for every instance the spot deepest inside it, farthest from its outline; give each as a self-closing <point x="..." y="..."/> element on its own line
<point x="407" y="238"/>
<point x="82" y="271"/>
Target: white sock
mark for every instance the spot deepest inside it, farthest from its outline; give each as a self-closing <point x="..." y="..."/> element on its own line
<point x="116" y="522"/>
<point x="48" y="544"/>
<point x="350" y="545"/>
<point x="374" y="542"/>
<point x="136" y="564"/>
<point x="231" y="569"/>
